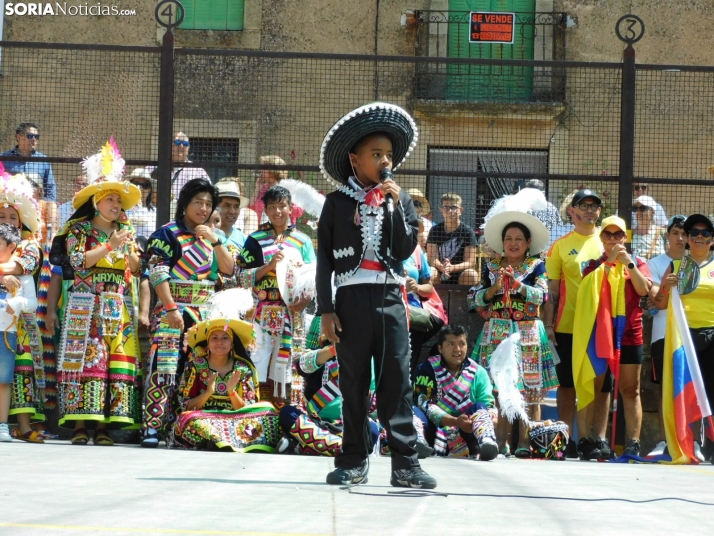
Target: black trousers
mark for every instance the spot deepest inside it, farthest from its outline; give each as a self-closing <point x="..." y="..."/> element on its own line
<point x="359" y="308"/>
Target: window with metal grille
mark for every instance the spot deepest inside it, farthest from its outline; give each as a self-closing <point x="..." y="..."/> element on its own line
<point x="215" y="150"/>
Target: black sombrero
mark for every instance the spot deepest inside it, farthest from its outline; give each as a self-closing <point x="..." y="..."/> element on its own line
<point x="370" y="118"/>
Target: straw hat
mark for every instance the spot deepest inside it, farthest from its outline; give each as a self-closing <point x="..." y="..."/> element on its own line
<point x="363" y="121"/>
<point x="417" y="195"/>
<point x="225" y="309"/>
<point x="230" y="189"/>
<point x="104" y="172"/>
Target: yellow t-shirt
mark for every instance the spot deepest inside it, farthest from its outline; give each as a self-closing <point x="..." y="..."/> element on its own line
<point x="565" y="262"/>
<point x="698" y="304"/>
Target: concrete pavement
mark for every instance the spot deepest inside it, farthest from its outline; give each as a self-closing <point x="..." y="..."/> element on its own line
<point x="60" y="489"/>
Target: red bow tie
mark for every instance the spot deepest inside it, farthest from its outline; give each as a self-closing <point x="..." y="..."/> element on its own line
<point x="374" y="197"/>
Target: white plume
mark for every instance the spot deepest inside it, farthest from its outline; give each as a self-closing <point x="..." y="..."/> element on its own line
<point x="526" y="200"/>
<point x="232" y="303"/>
<point x="503" y="368"/>
<point x="305" y="196"/>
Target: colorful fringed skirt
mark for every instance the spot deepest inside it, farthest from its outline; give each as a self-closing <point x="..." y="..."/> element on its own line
<point x="97" y="365"/>
<point x="254" y="427"/>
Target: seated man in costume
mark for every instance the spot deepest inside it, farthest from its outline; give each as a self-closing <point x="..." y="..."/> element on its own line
<point x="455" y="401"/>
<point x="278" y="322"/>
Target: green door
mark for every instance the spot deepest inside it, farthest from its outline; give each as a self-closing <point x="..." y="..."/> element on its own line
<point x="490" y="82"/>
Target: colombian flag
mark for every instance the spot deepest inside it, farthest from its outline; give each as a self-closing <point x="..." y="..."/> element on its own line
<point x="684" y="400"/>
<point x="598" y="327"/>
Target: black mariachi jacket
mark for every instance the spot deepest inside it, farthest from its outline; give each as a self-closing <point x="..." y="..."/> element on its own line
<point x="341" y="241"/>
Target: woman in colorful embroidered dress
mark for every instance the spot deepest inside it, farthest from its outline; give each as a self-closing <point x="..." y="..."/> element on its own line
<point x="509" y="297"/>
<point x="276" y="323"/>
<point x="18" y="208"/>
<point x="99" y="350"/>
<point x="185" y="258"/>
<point x="218" y="398"/>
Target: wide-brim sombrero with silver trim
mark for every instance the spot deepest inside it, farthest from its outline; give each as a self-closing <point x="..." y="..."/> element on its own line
<point x="16" y="192"/>
<point x="363" y="121"/>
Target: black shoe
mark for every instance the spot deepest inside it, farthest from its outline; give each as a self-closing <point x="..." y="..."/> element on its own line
<point x="344" y="475"/>
<point x="633" y="447"/>
<point x="571" y="450"/>
<point x="423" y="449"/>
<point x="415" y="477"/>
<point x="587" y="449"/>
<point x="604" y="445"/>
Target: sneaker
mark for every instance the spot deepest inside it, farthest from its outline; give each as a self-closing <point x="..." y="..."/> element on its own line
<point x="5" y="436"/>
<point x="415" y="477"/>
<point x="632" y="448"/>
<point x="488" y="450"/>
<point x="287" y="445"/>
<point x="571" y="450"/>
<point x="588" y="450"/>
<point x="604" y="445"/>
<point x="423" y="449"/>
<point x="698" y="452"/>
<point x="659" y="449"/>
<point x="348" y="475"/>
<point x="150" y="439"/>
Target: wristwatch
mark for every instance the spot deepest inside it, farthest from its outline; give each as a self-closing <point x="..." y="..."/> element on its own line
<point x="216" y="243"/>
<point x="631" y="265"/>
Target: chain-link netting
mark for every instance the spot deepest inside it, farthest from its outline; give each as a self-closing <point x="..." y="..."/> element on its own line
<point x="486" y="126"/>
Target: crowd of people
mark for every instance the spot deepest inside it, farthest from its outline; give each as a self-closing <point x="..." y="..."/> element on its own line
<point x="259" y="342"/>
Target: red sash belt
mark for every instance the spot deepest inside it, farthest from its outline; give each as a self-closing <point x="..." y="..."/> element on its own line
<point x="372" y="265"/>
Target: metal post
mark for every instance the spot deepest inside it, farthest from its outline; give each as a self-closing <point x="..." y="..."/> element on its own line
<point x="629" y="29"/>
<point x="166" y="126"/>
<point x="169" y="14"/>
<point x="627" y="135"/>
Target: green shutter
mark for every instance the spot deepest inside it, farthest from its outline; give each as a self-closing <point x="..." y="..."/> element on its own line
<point x="234" y="16"/>
<point x="489" y="82"/>
<point x="219" y="8"/>
<point x="202" y="15"/>
<point x="189" y="9"/>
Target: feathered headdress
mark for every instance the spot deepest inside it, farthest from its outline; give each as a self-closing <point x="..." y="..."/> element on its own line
<point x="16" y="191"/>
<point x="304" y="196"/>
<point x="515" y="208"/>
<point x="226" y="308"/>
<point x="104" y="171"/>
<point x="107" y="163"/>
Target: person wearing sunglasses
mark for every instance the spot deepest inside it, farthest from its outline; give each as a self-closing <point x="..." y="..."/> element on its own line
<point x="698" y="303"/>
<point x="648" y="238"/>
<point x="143" y="215"/>
<point x="28" y="137"/>
<point x="613" y="267"/>
<point x="564" y="263"/>
<point x="180" y="173"/>
<point x="677" y="240"/>
<point x="659" y="217"/>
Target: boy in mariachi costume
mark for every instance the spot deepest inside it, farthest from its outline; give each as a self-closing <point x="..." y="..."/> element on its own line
<point x="364" y="244"/>
<point x="455" y="400"/>
<point x="277" y="325"/>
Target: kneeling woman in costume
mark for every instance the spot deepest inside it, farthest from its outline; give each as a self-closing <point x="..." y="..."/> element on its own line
<point x="97" y="363"/>
<point x="510" y="294"/>
<point x="218" y="396"/>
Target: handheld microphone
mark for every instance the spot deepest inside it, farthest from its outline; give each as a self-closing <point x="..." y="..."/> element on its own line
<point x="386" y="175"/>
